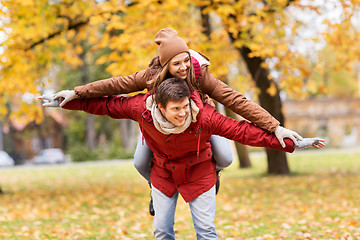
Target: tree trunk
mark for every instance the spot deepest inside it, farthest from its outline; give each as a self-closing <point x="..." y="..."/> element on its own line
<point x="242" y="152"/>
<point x="1" y="137"/>
<point x="243" y="155"/>
<point x="41" y="136"/>
<point x="90" y="120"/>
<point x="128" y="134"/>
<point x="277" y="162"/>
<point x="90" y="132"/>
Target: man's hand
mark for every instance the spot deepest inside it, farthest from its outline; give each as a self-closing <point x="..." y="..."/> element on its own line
<point x="282" y="133"/>
<point x="308" y="142"/>
<point x="49" y="100"/>
<point x="67" y="95"/>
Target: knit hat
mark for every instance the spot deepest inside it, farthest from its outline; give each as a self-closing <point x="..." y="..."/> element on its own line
<point x="170" y="44"/>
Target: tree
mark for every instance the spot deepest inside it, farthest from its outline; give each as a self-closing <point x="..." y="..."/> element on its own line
<point x="257" y="30"/>
<point x="243" y="155"/>
<point x="42" y="33"/>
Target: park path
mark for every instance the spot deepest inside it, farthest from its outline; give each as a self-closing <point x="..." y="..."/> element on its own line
<point x="130" y="161"/>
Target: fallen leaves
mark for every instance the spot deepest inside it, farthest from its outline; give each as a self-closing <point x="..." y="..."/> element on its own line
<point x="111" y="202"/>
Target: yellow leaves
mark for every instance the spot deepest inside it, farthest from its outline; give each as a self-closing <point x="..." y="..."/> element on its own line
<point x="225" y="10"/>
<point x="128" y="31"/>
<point x="28" y="3"/>
<point x="101" y="60"/>
<point x="3" y="109"/>
<point x="111" y="202"/>
<point x="272" y="90"/>
<point x="312" y="87"/>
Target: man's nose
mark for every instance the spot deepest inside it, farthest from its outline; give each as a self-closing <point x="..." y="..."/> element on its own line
<point x="182" y="112"/>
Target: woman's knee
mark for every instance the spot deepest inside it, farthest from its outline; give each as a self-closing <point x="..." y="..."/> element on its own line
<point x="221" y="151"/>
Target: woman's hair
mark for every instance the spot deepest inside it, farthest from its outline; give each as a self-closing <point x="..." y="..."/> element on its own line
<point x="159" y="74"/>
<point x="171" y="89"/>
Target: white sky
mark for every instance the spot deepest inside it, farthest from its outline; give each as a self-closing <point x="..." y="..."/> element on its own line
<point x="314" y="23"/>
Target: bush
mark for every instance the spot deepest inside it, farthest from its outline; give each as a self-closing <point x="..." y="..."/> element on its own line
<point x="81" y="153"/>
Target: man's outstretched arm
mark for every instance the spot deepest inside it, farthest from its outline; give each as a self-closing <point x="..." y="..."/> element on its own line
<point x="250" y="134"/>
<point x="112" y="106"/>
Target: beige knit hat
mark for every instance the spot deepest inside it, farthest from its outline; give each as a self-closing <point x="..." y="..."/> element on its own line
<point x="170" y="44"/>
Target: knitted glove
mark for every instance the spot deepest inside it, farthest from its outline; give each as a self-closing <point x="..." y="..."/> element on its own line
<point x="282" y="133"/>
<point x="308" y="142"/>
<point x="67" y="96"/>
<point x="49" y="100"/>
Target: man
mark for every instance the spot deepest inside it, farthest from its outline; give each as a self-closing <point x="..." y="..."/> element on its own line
<point x="177" y="127"/>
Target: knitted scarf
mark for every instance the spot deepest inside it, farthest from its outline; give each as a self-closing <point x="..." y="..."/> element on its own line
<point x="163" y="125"/>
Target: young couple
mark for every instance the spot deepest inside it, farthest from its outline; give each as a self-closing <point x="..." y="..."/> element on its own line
<point x="180" y="127"/>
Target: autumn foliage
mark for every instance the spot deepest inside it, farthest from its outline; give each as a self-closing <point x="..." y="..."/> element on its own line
<point x="38" y="35"/>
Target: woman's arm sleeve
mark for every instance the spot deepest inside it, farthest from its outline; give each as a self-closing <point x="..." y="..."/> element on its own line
<point x="114" y="86"/>
<point x="236" y="101"/>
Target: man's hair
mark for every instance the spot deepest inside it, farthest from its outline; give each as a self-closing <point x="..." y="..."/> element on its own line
<point x="171" y="89"/>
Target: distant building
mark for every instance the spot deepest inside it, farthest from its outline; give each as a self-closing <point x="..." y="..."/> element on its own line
<point x="24" y="141"/>
<point x="337" y="120"/>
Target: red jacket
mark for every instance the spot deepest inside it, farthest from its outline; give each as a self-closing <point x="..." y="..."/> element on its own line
<point x="182" y="161"/>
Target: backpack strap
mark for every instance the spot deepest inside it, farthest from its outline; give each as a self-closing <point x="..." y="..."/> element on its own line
<point x="197" y="68"/>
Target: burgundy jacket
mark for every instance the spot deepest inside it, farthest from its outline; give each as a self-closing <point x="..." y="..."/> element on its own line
<point x="182" y="161"/>
<point x="209" y="85"/>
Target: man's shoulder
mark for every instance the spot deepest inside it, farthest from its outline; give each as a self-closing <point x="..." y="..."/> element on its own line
<point x="136" y="102"/>
<point x="207" y="113"/>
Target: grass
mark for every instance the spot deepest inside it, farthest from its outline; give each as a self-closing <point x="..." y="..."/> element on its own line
<point x="320" y="200"/>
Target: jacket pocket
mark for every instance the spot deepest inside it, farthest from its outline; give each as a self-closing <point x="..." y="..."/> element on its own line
<point x="204" y="155"/>
<point x="161" y="172"/>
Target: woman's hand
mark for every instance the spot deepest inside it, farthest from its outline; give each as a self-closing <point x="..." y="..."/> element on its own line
<point x="282" y="133"/>
<point x="49" y="100"/>
<point x="66" y="95"/>
<point x="308" y="142"/>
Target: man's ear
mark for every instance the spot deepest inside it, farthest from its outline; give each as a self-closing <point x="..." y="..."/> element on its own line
<point x="162" y="110"/>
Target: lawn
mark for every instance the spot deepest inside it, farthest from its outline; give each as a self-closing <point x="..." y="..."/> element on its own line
<point x="320" y="200"/>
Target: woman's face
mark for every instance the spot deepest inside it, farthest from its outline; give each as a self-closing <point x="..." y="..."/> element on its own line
<point x="180" y="65"/>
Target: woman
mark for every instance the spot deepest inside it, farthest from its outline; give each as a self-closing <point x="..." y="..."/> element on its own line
<point x="175" y="59"/>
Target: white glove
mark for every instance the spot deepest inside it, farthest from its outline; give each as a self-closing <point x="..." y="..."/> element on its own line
<point x="68" y="95"/>
<point x="49" y="101"/>
<point x="308" y="142"/>
<point x="282" y="133"/>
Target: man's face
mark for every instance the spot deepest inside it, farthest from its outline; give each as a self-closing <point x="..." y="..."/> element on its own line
<point x="176" y="112"/>
<point x="179" y="65"/>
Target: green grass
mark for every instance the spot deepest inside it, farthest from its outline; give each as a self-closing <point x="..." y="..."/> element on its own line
<point x="320" y="200"/>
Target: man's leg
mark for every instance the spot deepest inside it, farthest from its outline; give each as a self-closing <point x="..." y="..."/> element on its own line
<point x="164" y="214"/>
<point x="203" y="214"/>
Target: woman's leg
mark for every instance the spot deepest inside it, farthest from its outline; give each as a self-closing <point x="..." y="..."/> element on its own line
<point x="142" y="162"/>
<point x="142" y="158"/>
<point x="221" y="151"/>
